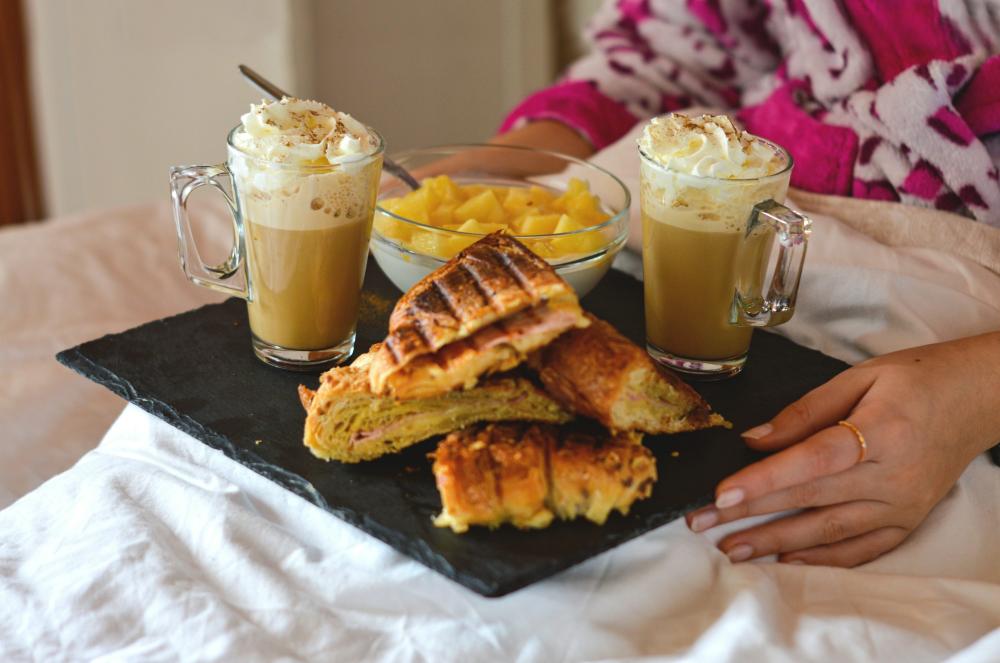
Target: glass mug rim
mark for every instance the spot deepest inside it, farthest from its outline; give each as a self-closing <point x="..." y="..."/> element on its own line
<point x="785" y="154"/>
<point x="361" y="159"/>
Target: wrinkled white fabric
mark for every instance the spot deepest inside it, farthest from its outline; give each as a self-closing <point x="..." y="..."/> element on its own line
<point x="66" y="281"/>
<point x="157" y="548"/>
<point x="154" y="547"/>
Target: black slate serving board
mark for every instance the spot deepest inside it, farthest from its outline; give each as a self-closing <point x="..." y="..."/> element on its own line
<point x="196" y="372"/>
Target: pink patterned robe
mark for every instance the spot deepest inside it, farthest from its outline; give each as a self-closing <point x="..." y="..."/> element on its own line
<point x="883" y="99"/>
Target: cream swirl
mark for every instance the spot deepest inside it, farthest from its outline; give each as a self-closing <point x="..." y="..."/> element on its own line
<point x="300" y="132"/>
<point x="707" y="146"/>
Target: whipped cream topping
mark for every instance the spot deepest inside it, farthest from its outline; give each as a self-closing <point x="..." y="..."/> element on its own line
<point x="707" y="146"/>
<point x="300" y="132"/>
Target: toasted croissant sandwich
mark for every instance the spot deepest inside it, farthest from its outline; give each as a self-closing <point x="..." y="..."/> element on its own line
<point x="599" y="373"/>
<point x="480" y="313"/>
<point x="528" y="474"/>
<point x="345" y="421"/>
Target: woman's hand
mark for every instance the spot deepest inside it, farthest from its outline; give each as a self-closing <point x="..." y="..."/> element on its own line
<point x="925" y="413"/>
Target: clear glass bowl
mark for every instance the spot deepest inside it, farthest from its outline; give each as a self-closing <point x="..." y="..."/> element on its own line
<point x="407" y="249"/>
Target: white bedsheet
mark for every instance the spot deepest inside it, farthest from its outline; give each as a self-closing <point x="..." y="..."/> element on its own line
<point x="154" y="547"/>
<point x="64" y="282"/>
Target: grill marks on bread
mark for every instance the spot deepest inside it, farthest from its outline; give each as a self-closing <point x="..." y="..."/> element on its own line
<point x="490" y="281"/>
<point x="526" y="475"/>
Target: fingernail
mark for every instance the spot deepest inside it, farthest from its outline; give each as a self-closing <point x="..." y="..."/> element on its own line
<point x="704" y="520"/>
<point x="758" y="432"/>
<point x="740" y="552"/>
<point x="728" y="498"/>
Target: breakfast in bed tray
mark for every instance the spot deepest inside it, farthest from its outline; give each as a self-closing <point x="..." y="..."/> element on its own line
<point x="544" y="405"/>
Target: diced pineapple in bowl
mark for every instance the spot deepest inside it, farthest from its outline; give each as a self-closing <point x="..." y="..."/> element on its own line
<point x="571" y="213"/>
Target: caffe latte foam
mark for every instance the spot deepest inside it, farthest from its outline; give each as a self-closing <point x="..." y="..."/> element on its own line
<point x="704" y="174"/>
<point x="303" y="166"/>
<point x="707" y="146"/>
<point x="303" y="133"/>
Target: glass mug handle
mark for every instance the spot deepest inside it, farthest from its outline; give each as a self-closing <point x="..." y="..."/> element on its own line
<point x="183" y="182"/>
<point x="753" y="307"/>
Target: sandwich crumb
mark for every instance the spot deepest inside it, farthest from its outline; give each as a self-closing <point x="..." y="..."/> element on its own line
<point x="373" y="307"/>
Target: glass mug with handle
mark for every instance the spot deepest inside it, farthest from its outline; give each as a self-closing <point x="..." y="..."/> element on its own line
<point x="708" y="251"/>
<point x="301" y="233"/>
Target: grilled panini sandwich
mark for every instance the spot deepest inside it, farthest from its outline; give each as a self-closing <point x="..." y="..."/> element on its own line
<point x="528" y="474"/>
<point x="599" y="373"/>
<point x="482" y="312"/>
<point x="345" y="421"/>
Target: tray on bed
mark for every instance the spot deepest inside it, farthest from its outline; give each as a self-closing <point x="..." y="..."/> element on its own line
<point x="196" y="372"/>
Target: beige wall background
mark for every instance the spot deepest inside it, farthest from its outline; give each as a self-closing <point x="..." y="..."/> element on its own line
<point x="123" y="89"/>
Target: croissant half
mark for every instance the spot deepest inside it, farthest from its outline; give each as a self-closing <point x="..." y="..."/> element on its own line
<point x="345" y="421"/>
<point x="599" y="373"/>
<point x="529" y="474"/>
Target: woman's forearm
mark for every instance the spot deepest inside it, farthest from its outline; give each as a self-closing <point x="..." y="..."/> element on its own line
<point x="547" y="135"/>
<point x="977" y="362"/>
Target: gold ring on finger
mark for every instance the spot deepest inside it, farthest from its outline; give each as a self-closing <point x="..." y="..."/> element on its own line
<point x="862" y="445"/>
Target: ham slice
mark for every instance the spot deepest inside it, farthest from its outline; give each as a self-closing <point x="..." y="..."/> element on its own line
<point x="521" y="327"/>
<point x="497" y="347"/>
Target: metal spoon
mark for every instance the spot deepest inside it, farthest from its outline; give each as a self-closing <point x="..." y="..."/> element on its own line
<point x="275" y="92"/>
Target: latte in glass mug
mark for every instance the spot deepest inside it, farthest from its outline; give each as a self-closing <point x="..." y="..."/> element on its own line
<point x="305" y="179"/>
<point x="712" y="205"/>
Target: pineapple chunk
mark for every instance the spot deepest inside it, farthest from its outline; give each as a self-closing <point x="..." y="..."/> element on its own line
<point x="410" y="208"/>
<point x="514" y="224"/>
<point x="447" y="191"/>
<point x="540" y="224"/>
<point x="576" y="188"/>
<point x="390" y="204"/>
<point x="474" y="226"/>
<point x="456" y="244"/>
<point x="581" y="242"/>
<point x="391" y="228"/>
<point x="425" y="197"/>
<point x="472" y="190"/>
<point x="500" y="192"/>
<point x="430" y="243"/>
<point x="540" y="197"/>
<point x="567" y="225"/>
<point x="584" y="208"/>
<point x="483" y="206"/>
<point x="443" y="214"/>
<point x="517" y="201"/>
<point x="541" y="248"/>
